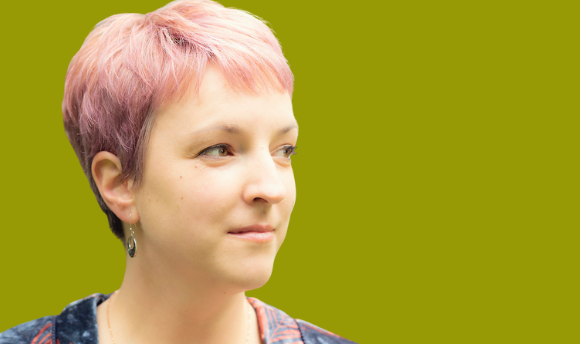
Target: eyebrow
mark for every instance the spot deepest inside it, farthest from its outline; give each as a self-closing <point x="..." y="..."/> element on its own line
<point x="234" y="129"/>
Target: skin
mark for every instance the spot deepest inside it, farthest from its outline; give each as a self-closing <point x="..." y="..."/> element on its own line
<point x="188" y="280"/>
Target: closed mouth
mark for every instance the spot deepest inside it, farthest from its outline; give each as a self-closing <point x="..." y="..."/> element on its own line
<point x="242" y="231"/>
<point x="256" y="228"/>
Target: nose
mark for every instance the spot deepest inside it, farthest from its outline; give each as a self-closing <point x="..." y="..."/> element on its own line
<point x="264" y="179"/>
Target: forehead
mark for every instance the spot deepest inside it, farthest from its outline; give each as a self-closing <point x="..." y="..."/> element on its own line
<point x="217" y="103"/>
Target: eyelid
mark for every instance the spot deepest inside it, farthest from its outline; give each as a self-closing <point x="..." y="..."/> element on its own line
<point x="227" y="146"/>
<point x="220" y="145"/>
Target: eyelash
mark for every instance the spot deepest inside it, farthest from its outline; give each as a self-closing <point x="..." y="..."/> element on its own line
<point x="221" y="145"/>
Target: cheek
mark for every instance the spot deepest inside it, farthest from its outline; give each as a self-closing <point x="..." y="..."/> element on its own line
<point x="206" y="191"/>
<point x="290" y="198"/>
<point x="198" y="200"/>
<point x="185" y="209"/>
<point x="287" y="205"/>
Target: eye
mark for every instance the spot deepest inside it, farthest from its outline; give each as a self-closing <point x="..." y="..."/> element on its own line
<point x="220" y="149"/>
<point x="289" y="151"/>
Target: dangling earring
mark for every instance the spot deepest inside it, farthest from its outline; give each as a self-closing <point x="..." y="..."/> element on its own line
<point x="131" y="242"/>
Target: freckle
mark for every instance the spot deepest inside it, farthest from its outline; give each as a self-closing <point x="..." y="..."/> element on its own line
<point x="180" y="176"/>
<point x="181" y="197"/>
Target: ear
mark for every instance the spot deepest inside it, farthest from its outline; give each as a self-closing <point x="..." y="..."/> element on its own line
<point x="107" y="172"/>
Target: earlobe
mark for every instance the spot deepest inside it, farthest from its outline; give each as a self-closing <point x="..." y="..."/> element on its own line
<point x="107" y="171"/>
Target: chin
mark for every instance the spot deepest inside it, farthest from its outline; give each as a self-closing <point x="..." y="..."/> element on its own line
<point x="258" y="281"/>
<point x="253" y="276"/>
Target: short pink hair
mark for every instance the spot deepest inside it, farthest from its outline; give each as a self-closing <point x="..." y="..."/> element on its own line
<point x="132" y="64"/>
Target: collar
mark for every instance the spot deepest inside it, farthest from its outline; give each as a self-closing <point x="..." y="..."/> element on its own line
<point x="78" y="322"/>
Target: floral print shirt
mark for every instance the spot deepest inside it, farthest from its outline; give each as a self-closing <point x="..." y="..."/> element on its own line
<point x="77" y="324"/>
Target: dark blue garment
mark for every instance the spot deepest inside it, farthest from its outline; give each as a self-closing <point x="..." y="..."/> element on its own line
<point x="77" y="324"/>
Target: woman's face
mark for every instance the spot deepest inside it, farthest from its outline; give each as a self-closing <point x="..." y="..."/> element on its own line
<point x="192" y="196"/>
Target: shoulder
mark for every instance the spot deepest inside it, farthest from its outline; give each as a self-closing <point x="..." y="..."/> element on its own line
<point x="277" y="327"/>
<point x="76" y="323"/>
<point x="37" y="331"/>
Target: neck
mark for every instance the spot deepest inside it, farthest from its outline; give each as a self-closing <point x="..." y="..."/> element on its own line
<point x="158" y="305"/>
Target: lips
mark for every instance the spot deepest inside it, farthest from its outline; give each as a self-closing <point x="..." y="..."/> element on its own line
<point x="253" y="228"/>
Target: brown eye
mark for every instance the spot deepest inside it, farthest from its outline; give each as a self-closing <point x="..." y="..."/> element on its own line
<point x="289" y="151"/>
<point x="221" y="149"/>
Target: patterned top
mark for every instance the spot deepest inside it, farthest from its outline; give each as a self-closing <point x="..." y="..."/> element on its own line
<point x="77" y="324"/>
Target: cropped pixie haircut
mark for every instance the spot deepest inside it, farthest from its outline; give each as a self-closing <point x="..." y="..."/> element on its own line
<point x="131" y="65"/>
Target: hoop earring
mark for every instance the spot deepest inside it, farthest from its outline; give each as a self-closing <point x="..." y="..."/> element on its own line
<point x="131" y="242"/>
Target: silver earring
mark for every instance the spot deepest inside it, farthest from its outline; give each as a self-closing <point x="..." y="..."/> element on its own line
<point x="131" y="242"/>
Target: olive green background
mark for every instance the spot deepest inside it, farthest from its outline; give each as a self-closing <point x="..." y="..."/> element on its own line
<point x="437" y="169"/>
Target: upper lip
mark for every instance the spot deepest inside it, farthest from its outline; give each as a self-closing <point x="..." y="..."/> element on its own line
<point x="258" y="227"/>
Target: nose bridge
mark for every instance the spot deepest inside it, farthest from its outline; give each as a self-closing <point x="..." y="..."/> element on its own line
<point x="264" y="178"/>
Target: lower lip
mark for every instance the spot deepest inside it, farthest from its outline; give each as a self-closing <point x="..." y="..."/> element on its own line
<point x="255" y="236"/>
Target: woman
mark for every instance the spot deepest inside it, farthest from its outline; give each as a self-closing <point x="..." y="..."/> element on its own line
<point x="182" y="121"/>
